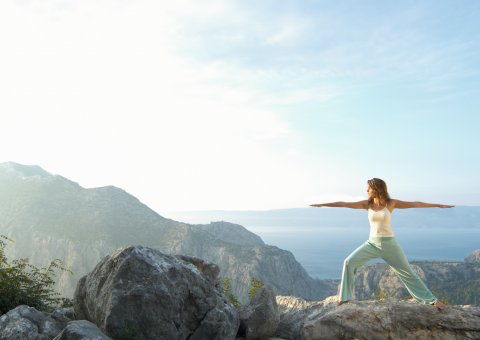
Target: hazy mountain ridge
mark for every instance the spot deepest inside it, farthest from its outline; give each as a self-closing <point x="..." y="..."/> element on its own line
<point x="52" y="217"/>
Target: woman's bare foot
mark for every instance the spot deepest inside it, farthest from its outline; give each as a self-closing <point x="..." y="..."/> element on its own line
<point x="340" y="302"/>
<point x="439" y="304"/>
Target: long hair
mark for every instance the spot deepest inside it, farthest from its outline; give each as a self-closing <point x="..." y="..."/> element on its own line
<point x="379" y="188"/>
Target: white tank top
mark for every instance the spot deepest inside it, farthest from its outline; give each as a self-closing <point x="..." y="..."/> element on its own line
<point x="380" y="223"/>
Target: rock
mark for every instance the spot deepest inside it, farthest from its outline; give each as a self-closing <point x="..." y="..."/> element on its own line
<point x="473" y="257"/>
<point x="141" y="292"/>
<point x="209" y="270"/>
<point x="81" y="330"/>
<point x="25" y="322"/>
<point x="386" y="319"/>
<point x="63" y="315"/>
<point x="259" y="319"/>
<point x="294" y="311"/>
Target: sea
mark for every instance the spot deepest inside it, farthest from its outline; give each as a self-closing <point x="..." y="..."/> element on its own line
<point x="322" y="250"/>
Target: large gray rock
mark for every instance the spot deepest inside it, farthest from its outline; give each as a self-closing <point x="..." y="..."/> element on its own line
<point x="259" y="319"/>
<point x="25" y="322"/>
<point x="141" y="292"/>
<point x="81" y="330"/>
<point x="387" y="319"/>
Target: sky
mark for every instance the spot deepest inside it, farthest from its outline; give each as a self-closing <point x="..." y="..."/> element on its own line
<point x="245" y="105"/>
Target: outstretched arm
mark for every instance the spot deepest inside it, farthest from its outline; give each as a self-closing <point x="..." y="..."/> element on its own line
<point x="405" y="205"/>
<point x="352" y="205"/>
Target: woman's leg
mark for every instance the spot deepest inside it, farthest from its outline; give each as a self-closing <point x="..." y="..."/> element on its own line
<point x="395" y="257"/>
<point x="355" y="260"/>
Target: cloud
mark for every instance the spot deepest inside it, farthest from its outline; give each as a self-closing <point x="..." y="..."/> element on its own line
<point x="193" y="104"/>
<point x="98" y="93"/>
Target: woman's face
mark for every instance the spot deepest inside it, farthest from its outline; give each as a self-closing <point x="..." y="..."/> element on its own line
<point x="369" y="191"/>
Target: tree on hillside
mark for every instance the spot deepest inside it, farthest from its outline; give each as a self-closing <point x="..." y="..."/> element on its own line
<point x="21" y="283"/>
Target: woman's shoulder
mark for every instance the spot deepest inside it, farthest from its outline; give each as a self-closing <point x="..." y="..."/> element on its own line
<point x="392" y="203"/>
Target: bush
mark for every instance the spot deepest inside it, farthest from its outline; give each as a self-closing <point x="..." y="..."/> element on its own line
<point x="254" y="285"/>
<point x="21" y="283"/>
<point x="227" y="289"/>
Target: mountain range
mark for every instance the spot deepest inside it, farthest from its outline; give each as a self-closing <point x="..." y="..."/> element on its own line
<point x="49" y="216"/>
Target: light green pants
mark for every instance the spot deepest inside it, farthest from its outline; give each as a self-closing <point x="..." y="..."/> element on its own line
<point x="388" y="249"/>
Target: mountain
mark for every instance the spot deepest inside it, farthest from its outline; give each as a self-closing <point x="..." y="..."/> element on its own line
<point x="49" y="216"/>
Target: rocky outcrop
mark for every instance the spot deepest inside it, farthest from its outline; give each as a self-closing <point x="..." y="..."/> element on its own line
<point x="141" y="292"/>
<point x="380" y="281"/>
<point x="387" y="319"/>
<point x="259" y="319"/>
<point x="454" y="282"/>
<point x="81" y="330"/>
<point x="25" y="322"/>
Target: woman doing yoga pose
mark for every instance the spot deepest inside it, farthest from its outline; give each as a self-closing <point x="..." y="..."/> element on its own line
<point x="382" y="243"/>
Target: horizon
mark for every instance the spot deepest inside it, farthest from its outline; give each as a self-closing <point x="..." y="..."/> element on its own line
<point x="245" y="106"/>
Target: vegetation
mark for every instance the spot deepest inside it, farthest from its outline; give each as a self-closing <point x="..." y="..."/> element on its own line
<point x="21" y="283"/>
<point x="227" y="289"/>
<point x="254" y="285"/>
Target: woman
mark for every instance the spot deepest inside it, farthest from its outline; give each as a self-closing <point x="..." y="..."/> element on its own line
<point x="382" y="243"/>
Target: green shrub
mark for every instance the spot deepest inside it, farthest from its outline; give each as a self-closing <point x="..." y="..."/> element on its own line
<point x="21" y="283"/>
<point x="227" y="289"/>
<point x="254" y="285"/>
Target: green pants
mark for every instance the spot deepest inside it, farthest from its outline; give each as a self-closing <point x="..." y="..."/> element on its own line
<point x="388" y="249"/>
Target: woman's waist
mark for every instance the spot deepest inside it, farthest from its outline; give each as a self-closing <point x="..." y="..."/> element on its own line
<point x="381" y="238"/>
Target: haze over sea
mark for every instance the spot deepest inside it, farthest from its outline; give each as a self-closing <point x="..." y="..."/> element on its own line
<point x="321" y="248"/>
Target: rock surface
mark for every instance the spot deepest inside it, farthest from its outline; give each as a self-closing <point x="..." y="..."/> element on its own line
<point x="81" y="330"/>
<point x="141" y="292"/>
<point x="25" y="322"/>
<point x="386" y="319"/>
<point x="259" y="319"/>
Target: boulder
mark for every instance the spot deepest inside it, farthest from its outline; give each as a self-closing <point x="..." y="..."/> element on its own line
<point x="259" y="319"/>
<point x="25" y="322"/>
<point x="139" y="292"/>
<point x="81" y="330"/>
<point x="209" y="270"/>
<point x="386" y="319"/>
<point x="65" y="314"/>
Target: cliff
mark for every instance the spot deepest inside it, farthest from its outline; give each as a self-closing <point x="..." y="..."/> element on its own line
<point x="453" y="282"/>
